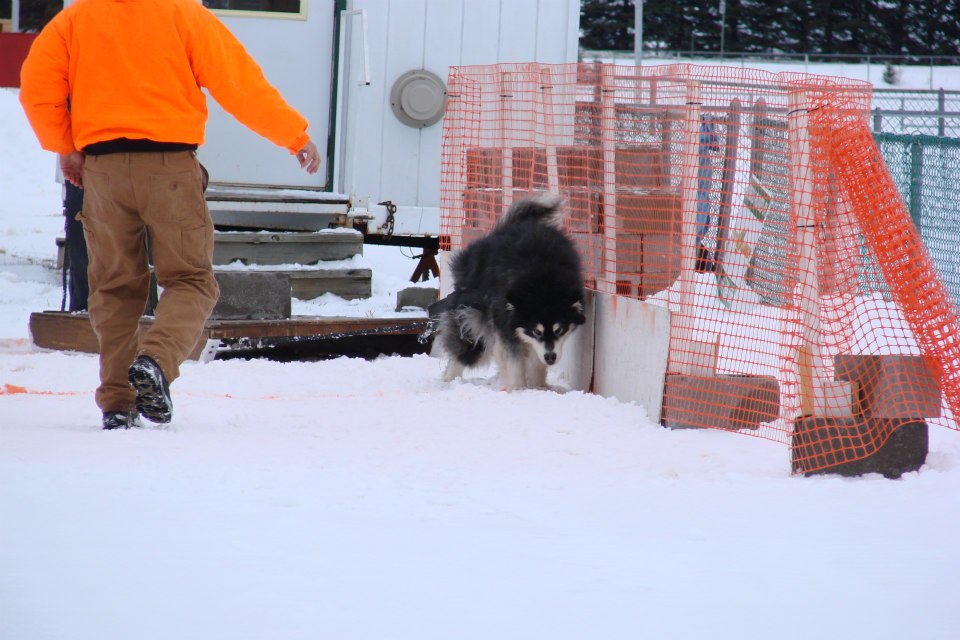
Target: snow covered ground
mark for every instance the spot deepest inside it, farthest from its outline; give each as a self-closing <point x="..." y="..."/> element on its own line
<point x="364" y="500"/>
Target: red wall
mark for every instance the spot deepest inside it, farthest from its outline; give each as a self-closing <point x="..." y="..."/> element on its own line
<point x="13" y="49"/>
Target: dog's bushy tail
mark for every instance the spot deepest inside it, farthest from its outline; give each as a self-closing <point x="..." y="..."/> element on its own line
<point x="545" y="208"/>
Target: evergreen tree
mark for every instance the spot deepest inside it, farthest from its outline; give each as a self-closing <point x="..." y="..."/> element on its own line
<point x="766" y="24"/>
<point x="607" y="24"/>
<point x="666" y="24"/>
<point x="893" y="14"/>
<point x="860" y="27"/>
<point x="732" y="29"/>
<point x="933" y="27"/>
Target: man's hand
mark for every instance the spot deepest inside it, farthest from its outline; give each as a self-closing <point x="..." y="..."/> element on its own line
<point x="71" y="164"/>
<point x="309" y="158"/>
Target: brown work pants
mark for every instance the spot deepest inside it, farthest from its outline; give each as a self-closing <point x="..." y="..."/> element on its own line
<point x="124" y="194"/>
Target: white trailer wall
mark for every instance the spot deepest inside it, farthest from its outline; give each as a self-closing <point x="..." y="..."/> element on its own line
<point x="379" y="157"/>
<point x="295" y="55"/>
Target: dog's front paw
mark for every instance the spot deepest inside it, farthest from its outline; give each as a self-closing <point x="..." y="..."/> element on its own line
<point x="508" y="384"/>
<point x="453" y="371"/>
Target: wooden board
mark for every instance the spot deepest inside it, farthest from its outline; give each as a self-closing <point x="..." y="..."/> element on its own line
<point x="72" y="331"/>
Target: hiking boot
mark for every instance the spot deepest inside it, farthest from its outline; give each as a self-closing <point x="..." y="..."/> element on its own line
<point x="153" y="392"/>
<point x="120" y="420"/>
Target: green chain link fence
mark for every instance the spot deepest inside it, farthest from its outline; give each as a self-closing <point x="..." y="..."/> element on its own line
<point x="916" y="112"/>
<point x="926" y="170"/>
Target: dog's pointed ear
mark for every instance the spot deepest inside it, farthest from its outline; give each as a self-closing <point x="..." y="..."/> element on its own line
<point x="579" y="317"/>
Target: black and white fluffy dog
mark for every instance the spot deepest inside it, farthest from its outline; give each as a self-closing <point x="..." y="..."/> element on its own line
<point x="518" y="294"/>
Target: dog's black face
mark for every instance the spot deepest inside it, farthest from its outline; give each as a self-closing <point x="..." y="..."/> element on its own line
<point x="545" y="328"/>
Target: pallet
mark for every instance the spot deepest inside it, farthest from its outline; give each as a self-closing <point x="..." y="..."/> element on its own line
<point x="64" y="331"/>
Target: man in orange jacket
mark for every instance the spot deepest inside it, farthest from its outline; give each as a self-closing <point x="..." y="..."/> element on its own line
<point x="133" y="72"/>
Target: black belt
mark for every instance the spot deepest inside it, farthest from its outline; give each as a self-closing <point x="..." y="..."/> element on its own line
<point x="126" y="145"/>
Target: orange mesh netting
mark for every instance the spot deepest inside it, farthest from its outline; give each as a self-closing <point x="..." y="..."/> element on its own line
<point x="756" y="208"/>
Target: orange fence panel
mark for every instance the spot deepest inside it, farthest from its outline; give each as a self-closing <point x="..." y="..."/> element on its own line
<point x="749" y="204"/>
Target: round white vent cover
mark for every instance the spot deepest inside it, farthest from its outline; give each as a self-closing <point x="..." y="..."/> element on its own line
<point x="418" y="98"/>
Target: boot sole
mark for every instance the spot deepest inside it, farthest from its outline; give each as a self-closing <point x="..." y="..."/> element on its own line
<point x="152" y="403"/>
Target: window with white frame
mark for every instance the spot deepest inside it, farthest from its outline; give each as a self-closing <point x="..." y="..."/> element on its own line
<point x="294" y="8"/>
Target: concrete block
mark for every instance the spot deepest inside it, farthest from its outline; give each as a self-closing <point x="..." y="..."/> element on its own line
<point x="639" y="166"/>
<point x="653" y="282"/>
<point x="481" y="209"/>
<point x="661" y="262"/>
<point x="580" y="167"/>
<point x="721" y="402"/>
<point x="628" y="285"/>
<point x="421" y="297"/>
<point x="590" y="247"/>
<point x="584" y="208"/>
<point x="656" y="212"/>
<point x="850" y="447"/>
<point x="485" y="168"/>
<point x="629" y="252"/>
<point x="697" y="359"/>
<point x="529" y="168"/>
<point x="252" y="295"/>
<point x="835" y="399"/>
<point x="661" y="253"/>
<point x="891" y="386"/>
<point x="351" y="284"/>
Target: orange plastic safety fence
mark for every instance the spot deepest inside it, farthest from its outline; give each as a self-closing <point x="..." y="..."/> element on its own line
<point x="754" y="207"/>
<point x="899" y="252"/>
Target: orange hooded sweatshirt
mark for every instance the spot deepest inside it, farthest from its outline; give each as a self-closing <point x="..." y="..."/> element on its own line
<point x="134" y="68"/>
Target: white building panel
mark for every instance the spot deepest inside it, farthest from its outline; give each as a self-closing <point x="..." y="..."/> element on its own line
<point x="295" y="55"/>
<point x="385" y="159"/>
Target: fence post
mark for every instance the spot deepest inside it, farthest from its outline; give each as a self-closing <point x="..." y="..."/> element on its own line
<point x="550" y="132"/>
<point x="806" y="355"/>
<point x="454" y="164"/>
<point x="507" y="120"/>
<point x="682" y="321"/>
<point x="916" y="182"/>
<point x="941" y="107"/>
<point x="606" y="282"/>
<point x="819" y="397"/>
